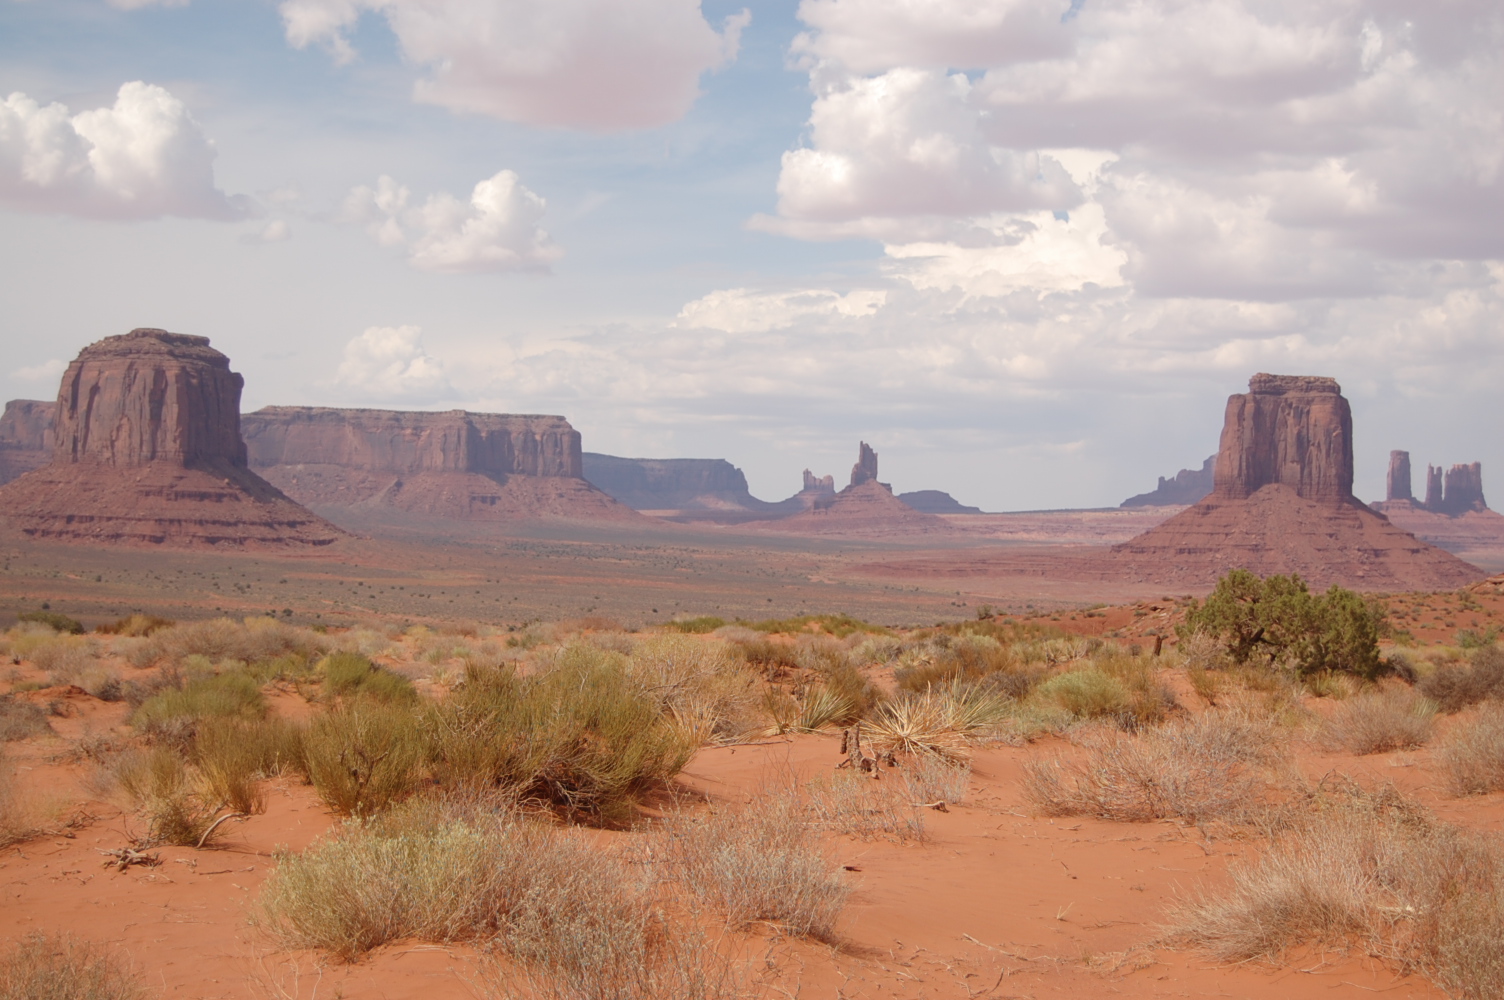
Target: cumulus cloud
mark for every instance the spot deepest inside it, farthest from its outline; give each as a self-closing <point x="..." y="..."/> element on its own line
<point x="140" y="158"/>
<point x="498" y="229"/>
<point x="893" y="151"/>
<point x="1253" y="150"/>
<point x="590" y="64"/>
<point x="389" y="364"/>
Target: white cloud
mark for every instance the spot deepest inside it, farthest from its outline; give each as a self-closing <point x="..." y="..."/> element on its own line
<point x="47" y="371"/>
<point x="740" y="310"/>
<point x="389" y="364"/>
<point x="138" y="4"/>
<point x="143" y="157"/>
<point x="1259" y="151"/>
<point x="589" y="64"/>
<point x="496" y="230"/>
<point x="892" y="153"/>
<point x="275" y="231"/>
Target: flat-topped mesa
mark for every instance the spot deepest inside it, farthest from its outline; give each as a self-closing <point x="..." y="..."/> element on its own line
<point x="407" y="442"/>
<point x="1294" y="430"/>
<point x="865" y="469"/>
<point x="1397" y="485"/>
<point x="149" y="396"/>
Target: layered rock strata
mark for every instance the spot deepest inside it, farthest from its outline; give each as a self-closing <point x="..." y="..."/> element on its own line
<point x="1188" y="486"/>
<point x="25" y="437"/>
<point x="1282" y="502"/>
<point x="452" y="464"/>
<point x="146" y="448"/>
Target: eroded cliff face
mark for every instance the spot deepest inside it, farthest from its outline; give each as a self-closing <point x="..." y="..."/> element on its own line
<point x="25" y="437"/>
<point x="406" y="442"/>
<point x="1283" y="503"/>
<point x="1188" y="486"/>
<point x="865" y="469"/>
<point x="1397" y="485"/>
<point x="1463" y="489"/>
<point x="149" y="396"/>
<point x="146" y="448"/>
<point x="1294" y="430"/>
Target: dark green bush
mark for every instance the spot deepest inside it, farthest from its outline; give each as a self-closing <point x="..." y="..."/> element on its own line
<point x="53" y="620"/>
<point x="1280" y="619"/>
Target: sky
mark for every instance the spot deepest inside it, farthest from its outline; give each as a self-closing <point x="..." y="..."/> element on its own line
<point x="1025" y="248"/>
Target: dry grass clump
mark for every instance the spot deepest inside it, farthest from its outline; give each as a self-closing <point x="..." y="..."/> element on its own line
<point x="1390" y="719"/>
<point x="136" y="625"/>
<point x="1366" y="870"/>
<point x="851" y="802"/>
<point x="946" y="659"/>
<point x="232" y="755"/>
<point x="762" y="864"/>
<point x="1207" y="767"/>
<point x="700" y="684"/>
<point x="362" y="757"/>
<point x="1086" y="694"/>
<point x="940" y="721"/>
<point x="180" y="808"/>
<point x="1454" y="687"/>
<point x="929" y="779"/>
<point x="15" y="822"/>
<point x="580" y="736"/>
<point x="348" y="675"/>
<point x="20" y="720"/>
<point x="173" y="714"/>
<point x="248" y="641"/>
<point x="1472" y="755"/>
<point x="61" y="967"/>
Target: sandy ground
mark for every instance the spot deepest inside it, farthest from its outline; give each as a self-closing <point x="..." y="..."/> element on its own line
<point x="995" y="902"/>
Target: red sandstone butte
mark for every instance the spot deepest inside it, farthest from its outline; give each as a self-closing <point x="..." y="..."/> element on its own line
<point x="865" y="508"/>
<point x="1283" y="503"/>
<point x="25" y="437"/>
<point x="452" y="464"/>
<point x="146" y="448"/>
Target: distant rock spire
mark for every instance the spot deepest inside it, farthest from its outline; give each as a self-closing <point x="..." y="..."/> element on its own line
<point x="1398" y="486"/>
<point x="865" y="469"/>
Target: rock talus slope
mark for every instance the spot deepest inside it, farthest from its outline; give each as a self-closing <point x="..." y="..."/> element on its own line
<point x="1283" y="503"/>
<point x="146" y="448"/>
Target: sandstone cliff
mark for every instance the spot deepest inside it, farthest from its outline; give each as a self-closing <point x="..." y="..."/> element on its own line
<point x="25" y="437"/>
<point x="146" y="448"/>
<point x="1188" y="486"/>
<point x="865" y="469"/>
<point x="452" y="464"/>
<point x="1283" y="503"/>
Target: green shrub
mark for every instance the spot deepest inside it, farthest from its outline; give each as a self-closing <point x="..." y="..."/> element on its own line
<point x="1279" y="619"/>
<point x="1086" y="694"/>
<point x="57" y="622"/>
<point x="363" y="756"/>
<point x="580" y="736"/>
<point x="350" y="674"/>
<point x="174" y="714"/>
